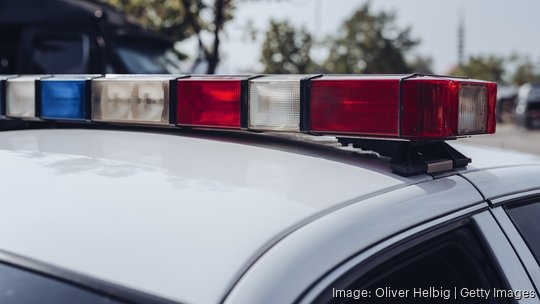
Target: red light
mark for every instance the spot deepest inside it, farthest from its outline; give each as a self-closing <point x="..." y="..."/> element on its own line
<point x="360" y="105"/>
<point x="492" y="102"/>
<point x="429" y="108"/>
<point x="209" y="102"/>
<point x="431" y="105"/>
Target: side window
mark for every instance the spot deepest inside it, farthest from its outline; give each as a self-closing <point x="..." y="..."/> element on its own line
<point x="56" y="53"/>
<point x="526" y="219"/>
<point x="147" y="56"/>
<point x="19" y="286"/>
<point x="449" y="268"/>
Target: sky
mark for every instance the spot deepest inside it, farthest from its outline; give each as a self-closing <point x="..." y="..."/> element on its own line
<point x="491" y="27"/>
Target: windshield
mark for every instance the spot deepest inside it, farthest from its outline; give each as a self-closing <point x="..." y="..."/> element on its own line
<point x="148" y="57"/>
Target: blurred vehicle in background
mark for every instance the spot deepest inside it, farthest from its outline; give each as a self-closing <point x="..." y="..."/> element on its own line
<point x="506" y="102"/>
<point x="78" y="37"/>
<point x="528" y="106"/>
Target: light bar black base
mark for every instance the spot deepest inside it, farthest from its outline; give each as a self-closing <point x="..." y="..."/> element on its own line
<point x="413" y="158"/>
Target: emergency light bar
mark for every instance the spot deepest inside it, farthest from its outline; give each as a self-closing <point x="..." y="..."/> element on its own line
<point x="210" y="102"/>
<point x="3" y="79"/>
<point x="274" y="103"/>
<point x="415" y="108"/>
<point x="434" y="107"/>
<point x="135" y="99"/>
<point x="65" y="97"/>
<point x="366" y="105"/>
<point x="21" y="96"/>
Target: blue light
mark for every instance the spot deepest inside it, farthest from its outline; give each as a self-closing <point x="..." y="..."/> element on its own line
<point x="63" y="99"/>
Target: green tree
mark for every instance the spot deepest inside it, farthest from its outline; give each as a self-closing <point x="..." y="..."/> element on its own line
<point x="370" y="42"/>
<point x="526" y="70"/>
<point x="421" y="64"/>
<point x="482" y="67"/>
<point x="286" y="49"/>
<point x="181" y="19"/>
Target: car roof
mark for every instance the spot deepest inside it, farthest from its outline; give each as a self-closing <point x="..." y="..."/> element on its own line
<point x="100" y="202"/>
<point x="485" y="158"/>
<point x="175" y="214"/>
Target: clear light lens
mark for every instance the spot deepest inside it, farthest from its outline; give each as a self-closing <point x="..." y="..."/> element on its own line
<point x="274" y="103"/>
<point x="150" y="102"/>
<point x="472" y="117"/>
<point x="115" y="103"/>
<point x="21" y="97"/>
<point x="131" y="99"/>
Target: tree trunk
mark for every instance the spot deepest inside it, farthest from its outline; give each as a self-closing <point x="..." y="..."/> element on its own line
<point x="213" y="57"/>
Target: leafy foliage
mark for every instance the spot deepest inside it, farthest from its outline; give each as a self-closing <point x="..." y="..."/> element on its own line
<point x="482" y="67"/>
<point x="526" y="70"/>
<point x="421" y="64"/>
<point x="182" y="19"/>
<point x="370" y="42"/>
<point x="286" y="49"/>
<point x="164" y="16"/>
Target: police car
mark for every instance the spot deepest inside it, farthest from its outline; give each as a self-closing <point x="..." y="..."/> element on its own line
<point x="349" y="188"/>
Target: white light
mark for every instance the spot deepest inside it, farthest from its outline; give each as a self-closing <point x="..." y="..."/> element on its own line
<point x="150" y="101"/>
<point x="274" y="103"/>
<point x="135" y="99"/>
<point x="115" y="100"/>
<point x="472" y="109"/>
<point x="21" y="96"/>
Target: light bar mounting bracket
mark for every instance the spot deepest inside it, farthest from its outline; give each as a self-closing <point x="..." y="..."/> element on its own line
<point x="413" y="157"/>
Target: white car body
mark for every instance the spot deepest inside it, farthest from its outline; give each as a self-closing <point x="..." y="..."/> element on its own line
<point x="210" y="217"/>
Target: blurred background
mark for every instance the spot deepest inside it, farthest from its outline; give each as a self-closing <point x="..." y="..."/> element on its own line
<point x="486" y="39"/>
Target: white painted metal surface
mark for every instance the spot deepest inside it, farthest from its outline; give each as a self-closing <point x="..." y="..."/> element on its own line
<point x="498" y="173"/>
<point x="285" y="271"/>
<point x="484" y="157"/>
<point x="499" y="182"/>
<point x="184" y="217"/>
<point x="174" y="216"/>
